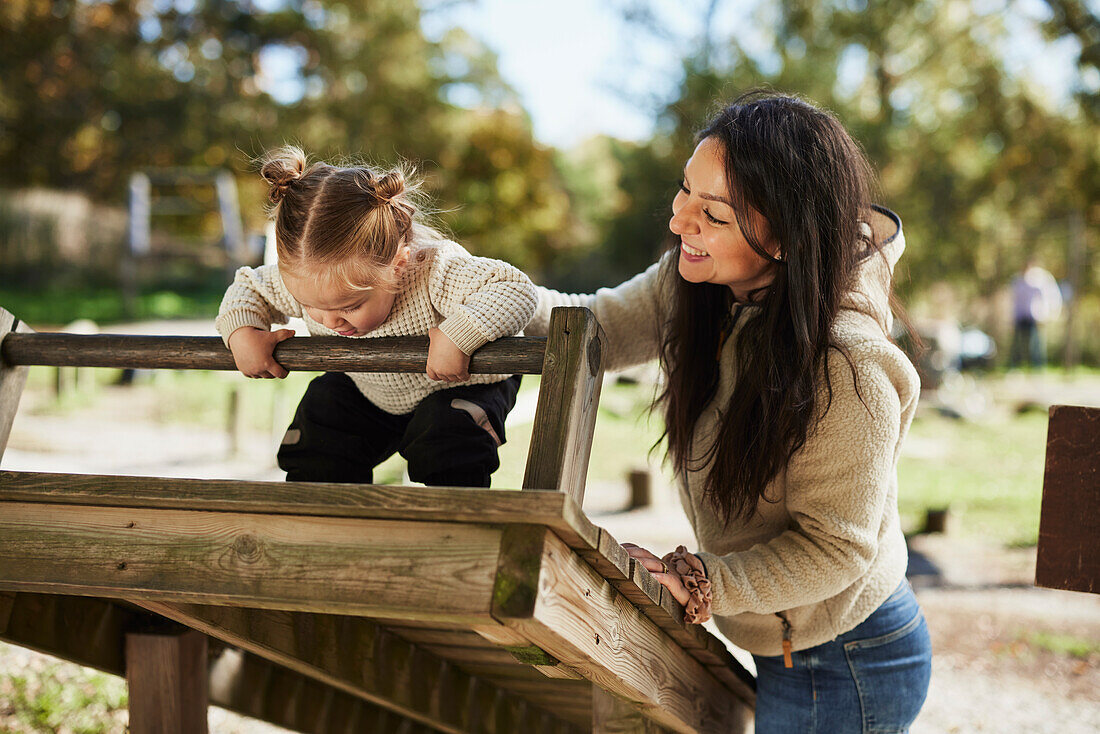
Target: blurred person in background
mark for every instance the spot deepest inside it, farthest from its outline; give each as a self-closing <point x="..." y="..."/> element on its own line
<point x="1036" y="299"/>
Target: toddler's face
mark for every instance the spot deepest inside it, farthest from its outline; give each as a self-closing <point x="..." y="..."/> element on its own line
<point x="347" y="312"/>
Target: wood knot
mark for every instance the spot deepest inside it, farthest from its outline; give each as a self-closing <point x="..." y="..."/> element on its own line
<point x="131" y="524"/>
<point x="597" y="639"/>
<point x="248" y="549"/>
<point x="595" y="356"/>
<point x="121" y="565"/>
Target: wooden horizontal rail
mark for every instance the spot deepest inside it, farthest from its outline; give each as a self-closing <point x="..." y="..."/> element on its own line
<point x="510" y="355"/>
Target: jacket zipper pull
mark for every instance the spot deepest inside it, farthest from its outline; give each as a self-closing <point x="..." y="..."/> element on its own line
<point x="788" y="662"/>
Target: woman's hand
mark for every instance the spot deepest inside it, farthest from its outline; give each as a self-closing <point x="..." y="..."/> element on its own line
<point x="446" y="361"/>
<point x="254" y="349"/>
<point x="659" y="569"/>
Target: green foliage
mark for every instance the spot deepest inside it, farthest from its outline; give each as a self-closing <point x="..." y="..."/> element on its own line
<point x="94" y="91"/>
<point x="62" y="697"/>
<point x="984" y="168"/>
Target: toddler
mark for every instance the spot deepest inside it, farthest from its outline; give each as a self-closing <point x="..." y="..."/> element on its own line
<point x="356" y="261"/>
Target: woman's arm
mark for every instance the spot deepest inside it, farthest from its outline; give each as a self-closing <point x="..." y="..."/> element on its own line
<point x="630" y="315"/>
<point x="837" y="486"/>
<point x="257" y="298"/>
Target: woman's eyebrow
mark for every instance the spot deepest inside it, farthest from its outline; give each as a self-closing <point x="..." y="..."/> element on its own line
<point x="710" y="197"/>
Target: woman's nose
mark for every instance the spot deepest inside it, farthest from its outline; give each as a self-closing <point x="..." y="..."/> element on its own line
<point x="680" y="223"/>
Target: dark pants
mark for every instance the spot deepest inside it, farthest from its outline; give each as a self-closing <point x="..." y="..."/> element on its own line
<point x="450" y="439"/>
<point x="1027" y="344"/>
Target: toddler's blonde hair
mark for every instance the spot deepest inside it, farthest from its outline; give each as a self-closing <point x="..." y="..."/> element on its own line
<point x="343" y="224"/>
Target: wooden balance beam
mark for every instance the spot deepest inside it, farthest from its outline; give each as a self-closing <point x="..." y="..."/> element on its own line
<point x="368" y="608"/>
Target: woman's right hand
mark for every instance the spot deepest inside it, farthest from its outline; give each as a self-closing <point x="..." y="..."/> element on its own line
<point x="254" y="351"/>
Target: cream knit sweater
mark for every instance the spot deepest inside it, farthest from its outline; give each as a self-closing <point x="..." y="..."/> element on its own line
<point x="830" y="550"/>
<point x="473" y="300"/>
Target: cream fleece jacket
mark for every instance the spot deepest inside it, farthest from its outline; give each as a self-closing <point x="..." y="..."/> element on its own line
<point x="473" y="300"/>
<point x="830" y="550"/>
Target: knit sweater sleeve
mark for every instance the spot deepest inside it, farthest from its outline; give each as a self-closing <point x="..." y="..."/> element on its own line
<point x="837" y="485"/>
<point x="630" y="314"/>
<point x="256" y="298"/>
<point x="480" y="299"/>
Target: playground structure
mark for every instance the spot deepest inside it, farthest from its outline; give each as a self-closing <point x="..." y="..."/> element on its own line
<point x="340" y="607"/>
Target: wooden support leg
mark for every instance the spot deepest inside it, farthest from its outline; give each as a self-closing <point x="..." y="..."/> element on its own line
<point x="614" y="715"/>
<point x="167" y="676"/>
<point x="572" y="375"/>
<point x="12" y="380"/>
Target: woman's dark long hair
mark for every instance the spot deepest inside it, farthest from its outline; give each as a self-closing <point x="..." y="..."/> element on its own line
<point x="796" y="166"/>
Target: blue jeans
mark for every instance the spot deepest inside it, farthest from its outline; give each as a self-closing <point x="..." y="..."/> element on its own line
<point x="870" y="680"/>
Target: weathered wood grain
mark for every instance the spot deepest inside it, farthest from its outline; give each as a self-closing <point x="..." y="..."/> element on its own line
<point x="166" y="678"/>
<point x="91" y="631"/>
<point x="614" y="715"/>
<point x="339" y="565"/>
<point x="561" y="437"/>
<point x="579" y="618"/>
<point x="510" y="355"/>
<point x="363" y="659"/>
<point x="251" y="686"/>
<point x="1069" y="524"/>
<point x="12" y="378"/>
<point x="635" y="583"/>
<point x="457" y="504"/>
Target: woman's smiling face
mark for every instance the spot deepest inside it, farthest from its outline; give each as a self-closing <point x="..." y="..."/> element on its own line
<point x="712" y="247"/>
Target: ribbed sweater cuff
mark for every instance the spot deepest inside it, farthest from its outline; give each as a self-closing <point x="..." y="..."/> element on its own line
<point x="227" y="323"/>
<point x="461" y="329"/>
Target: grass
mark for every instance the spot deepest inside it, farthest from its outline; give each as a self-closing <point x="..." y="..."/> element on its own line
<point x="989" y="475"/>
<point x="57" y="696"/>
<point x="54" y="305"/>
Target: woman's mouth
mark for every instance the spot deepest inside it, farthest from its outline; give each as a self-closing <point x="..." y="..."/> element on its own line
<point x="692" y="252"/>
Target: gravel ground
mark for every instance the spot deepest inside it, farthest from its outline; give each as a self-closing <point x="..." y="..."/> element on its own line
<point x="1000" y="661"/>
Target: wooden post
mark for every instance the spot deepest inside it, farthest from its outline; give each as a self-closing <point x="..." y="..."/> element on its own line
<point x="572" y="375"/>
<point x="167" y="676"/>
<point x="12" y="380"/>
<point x="1069" y="524"/>
<point x="640" y="496"/>
<point x="614" y="715"/>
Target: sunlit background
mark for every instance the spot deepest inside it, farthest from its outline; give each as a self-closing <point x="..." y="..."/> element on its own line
<point x="553" y="135"/>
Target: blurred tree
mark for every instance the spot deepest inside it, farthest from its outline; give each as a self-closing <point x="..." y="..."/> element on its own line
<point x="975" y="157"/>
<point x="92" y="89"/>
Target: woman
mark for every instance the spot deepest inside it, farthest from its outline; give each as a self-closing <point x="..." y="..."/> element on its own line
<point x="785" y="404"/>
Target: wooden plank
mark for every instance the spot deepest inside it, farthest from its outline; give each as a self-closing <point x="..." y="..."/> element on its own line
<point x="656" y="602"/>
<point x="333" y="565"/>
<point x="360" y="658"/>
<point x="86" y="631"/>
<point x="457" y="504"/>
<point x="572" y="375"/>
<point x="251" y="686"/>
<point x="12" y="378"/>
<point x="91" y="631"/>
<point x="614" y="715"/>
<point x="579" y="618"/>
<point x="166" y="677"/>
<point x="510" y="355"/>
<point x="1069" y="524"/>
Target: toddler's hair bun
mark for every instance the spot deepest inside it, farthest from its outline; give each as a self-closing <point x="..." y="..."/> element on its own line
<point x="389" y="186"/>
<point x="281" y="168"/>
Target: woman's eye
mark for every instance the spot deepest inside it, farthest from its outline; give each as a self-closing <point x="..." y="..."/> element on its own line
<point x="713" y="219"/>
<point x="684" y="188"/>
